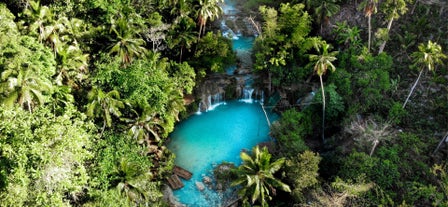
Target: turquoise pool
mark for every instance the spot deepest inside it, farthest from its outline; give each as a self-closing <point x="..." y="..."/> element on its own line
<point x="207" y="139"/>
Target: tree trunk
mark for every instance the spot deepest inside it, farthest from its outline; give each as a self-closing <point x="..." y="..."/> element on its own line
<point x="323" y="109"/>
<point x="370" y="31"/>
<point x="440" y="143"/>
<point x="102" y="130"/>
<point x="180" y="56"/>
<point x="199" y="33"/>
<point x="375" y="143"/>
<point x="29" y="106"/>
<point x="389" y="26"/>
<point x="412" y="89"/>
<point x="415" y="5"/>
<point x="270" y="82"/>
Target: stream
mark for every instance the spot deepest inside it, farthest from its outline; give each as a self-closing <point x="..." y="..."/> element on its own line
<point x="220" y="133"/>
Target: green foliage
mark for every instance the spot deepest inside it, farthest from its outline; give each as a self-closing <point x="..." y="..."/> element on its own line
<point x="334" y="103"/>
<point x="256" y="177"/>
<point x="26" y="67"/>
<point x="152" y="86"/>
<point x="302" y="172"/>
<point x="397" y="168"/>
<point x="213" y="54"/>
<point x="122" y="167"/>
<point x="372" y="81"/>
<point x="103" y="105"/>
<point x="324" y="10"/>
<point x="207" y="9"/>
<point x="182" y="36"/>
<point x="348" y="36"/>
<point x="279" y="49"/>
<point x="342" y="80"/>
<point x="290" y="132"/>
<point x="43" y="156"/>
<point x="126" y="41"/>
<point x="396" y="113"/>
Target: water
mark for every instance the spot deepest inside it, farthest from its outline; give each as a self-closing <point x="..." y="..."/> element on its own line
<point x="226" y="128"/>
<point x="204" y="140"/>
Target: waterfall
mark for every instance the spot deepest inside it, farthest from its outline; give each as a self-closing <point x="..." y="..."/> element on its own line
<point x="199" y="108"/>
<point x="247" y="95"/>
<point x="215" y="100"/>
<point x="227" y="32"/>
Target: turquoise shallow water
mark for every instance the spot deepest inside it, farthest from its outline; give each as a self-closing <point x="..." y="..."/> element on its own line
<point x="211" y="137"/>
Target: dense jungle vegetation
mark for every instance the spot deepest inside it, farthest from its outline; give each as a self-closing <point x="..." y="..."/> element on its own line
<point x="91" y="89"/>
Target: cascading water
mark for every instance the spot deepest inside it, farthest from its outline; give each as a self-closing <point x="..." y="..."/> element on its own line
<point x="203" y="141"/>
<point x="215" y="101"/>
<point x="247" y="95"/>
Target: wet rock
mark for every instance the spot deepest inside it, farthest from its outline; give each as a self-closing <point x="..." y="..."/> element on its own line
<point x="169" y="197"/>
<point x="207" y="180"/>
<point x="219" y="187"/>
<point x="200" y="186"/>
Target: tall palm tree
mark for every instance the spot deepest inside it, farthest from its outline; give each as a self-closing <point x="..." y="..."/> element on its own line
<point x="325" y="10"/>
<point x="323" y="62"/>
<point x="256" y="176"/>
<point x="370" y="7"/>
<point x="208" y="9"/>
<point x="428" y="56"/>
<point x="23" y="86"/>
<point x="182" y="35"/>
<point x="103" y="104"/>
<point x="393" y="9"/>
<point x="126" y="42"/>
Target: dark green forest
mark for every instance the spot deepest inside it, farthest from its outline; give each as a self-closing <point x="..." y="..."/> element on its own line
<point x="91" y="89"/>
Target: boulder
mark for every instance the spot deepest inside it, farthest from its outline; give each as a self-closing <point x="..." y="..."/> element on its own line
<point x="200" y="186"/>
<point x="207" y="180"/>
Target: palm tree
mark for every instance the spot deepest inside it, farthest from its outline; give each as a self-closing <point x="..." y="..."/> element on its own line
<point x="349" y="36"/>
<point x="429" y="56"/>
<point x="324" y="11"/>
<point x="134" y="182"/>
<point x="256" y="176"/>
<point x="72" y="67"/>
<point x="323" y="61"/>
<point x="141" y="127"/>
<point x="37" y="16"/>
<point x="182" y="35"/>
<point x="370" y="7"/>
<point x="23" y="86"/>
<point x="102" y="105"/>
<point x="126" y="42"/>
<point x="208" y="9"/>
<point x="393" y="10"/>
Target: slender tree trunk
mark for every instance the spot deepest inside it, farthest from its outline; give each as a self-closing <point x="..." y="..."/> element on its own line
<point x="389" y="26"/>
<point x="441" y="142"/>
<point x="415" y="5"/>
<point x="412" y="89"/>
<point x="180" y="56"/>
<point x="375" y="143"/>
<point x="29" y="106"/>
<point x="102" y="130"/>
<point x="200" y="30"/>
<point x="323" y="108"/>
<point x="204" y="28"/>
<point x="370" y="31"/>
<point x="270" y="82"/>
